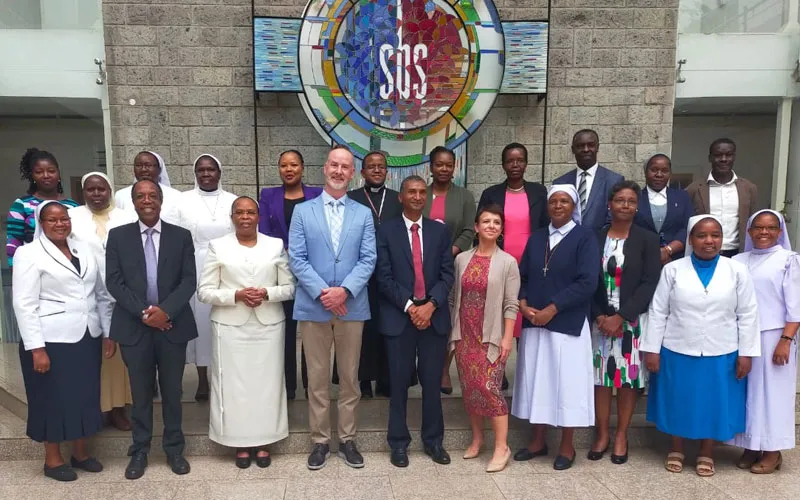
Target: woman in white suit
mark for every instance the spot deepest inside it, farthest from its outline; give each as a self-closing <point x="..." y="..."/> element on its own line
<point x="702" y="335"/>
<point x="91" y="223"/>
<point x="245" y="278"/>
<point x="62" y="308"/>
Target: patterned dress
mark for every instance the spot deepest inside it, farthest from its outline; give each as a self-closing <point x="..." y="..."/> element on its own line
<point x="481" y="380"/>
<point x="617" y="362"/>
<point x="21" y="222"/>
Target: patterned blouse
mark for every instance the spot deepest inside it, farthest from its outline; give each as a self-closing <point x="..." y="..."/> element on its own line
<point x="22" y="223"/>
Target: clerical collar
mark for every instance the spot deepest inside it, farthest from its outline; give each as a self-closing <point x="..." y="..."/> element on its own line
<point x="203" y="192"/>
<point x="376" y="189"/>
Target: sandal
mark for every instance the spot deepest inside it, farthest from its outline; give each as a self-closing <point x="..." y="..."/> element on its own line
<point x="705" y="467"/>
<point x="760" y="468"/>
<point x="674" y="462"/>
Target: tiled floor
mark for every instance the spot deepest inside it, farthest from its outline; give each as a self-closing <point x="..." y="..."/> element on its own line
<point x="216" y="478"/>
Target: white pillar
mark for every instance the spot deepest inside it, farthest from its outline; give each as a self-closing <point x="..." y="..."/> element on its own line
<point x="783" y="126"/>
<point x="791" y="207"/>
<point x="793" y="18"/>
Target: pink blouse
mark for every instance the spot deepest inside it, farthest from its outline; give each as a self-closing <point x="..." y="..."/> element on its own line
<point x="437" y="208"/>
<point x="516" y="232"/>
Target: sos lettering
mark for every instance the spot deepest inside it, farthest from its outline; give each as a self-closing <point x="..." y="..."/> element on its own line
<point x="397" y="75"/>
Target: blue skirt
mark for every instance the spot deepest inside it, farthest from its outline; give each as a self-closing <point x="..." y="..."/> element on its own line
<point x="64" y="403"/>
<point x="697" y="397"/>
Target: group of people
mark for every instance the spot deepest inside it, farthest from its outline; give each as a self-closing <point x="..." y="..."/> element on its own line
<point x="606" y="287"/>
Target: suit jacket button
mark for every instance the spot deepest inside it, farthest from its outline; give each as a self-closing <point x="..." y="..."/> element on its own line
<point x="337" y="261"/>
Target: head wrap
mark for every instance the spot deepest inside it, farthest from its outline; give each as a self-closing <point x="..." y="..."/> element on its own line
<point x="573" y="193"/>
<point x="163" y="176"/>
<point x="693" y="220"/>
<point x="101" y="217"/>
<point x="783" y="239"/>
<point x="194" y="166"/>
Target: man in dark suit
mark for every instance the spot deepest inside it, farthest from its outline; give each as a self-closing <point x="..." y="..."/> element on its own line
<point x="415" y="273"/>
<point x="150" y="271"/>
<point x="592" y="180"/>
<point x="384" y="205"/>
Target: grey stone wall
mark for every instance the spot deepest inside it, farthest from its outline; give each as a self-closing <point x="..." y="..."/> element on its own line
<point x="186" y="65"/>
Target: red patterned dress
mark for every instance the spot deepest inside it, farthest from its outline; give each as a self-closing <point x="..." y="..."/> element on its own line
<point x="481" y="380"/>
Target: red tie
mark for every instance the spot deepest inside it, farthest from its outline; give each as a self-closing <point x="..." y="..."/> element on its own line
<point x="416" y="252"/>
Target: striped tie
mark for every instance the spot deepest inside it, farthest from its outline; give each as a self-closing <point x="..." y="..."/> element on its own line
<point x="582" y="190"/>
<point x="336" y="223"/>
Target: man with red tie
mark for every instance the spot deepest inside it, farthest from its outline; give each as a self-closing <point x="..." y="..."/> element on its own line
<point x="414" y="274"/>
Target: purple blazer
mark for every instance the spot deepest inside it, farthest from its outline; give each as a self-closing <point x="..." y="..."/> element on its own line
<point x="272" y="221"/>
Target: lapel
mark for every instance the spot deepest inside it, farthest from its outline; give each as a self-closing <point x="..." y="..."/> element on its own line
<point x="138" y="248"/>
<point x="672" y="207"/>
<point x="61" y="259"/>
<point x="428" y="246"/>
<point x="276" y="205"/>
<point x="598" y="192"/>
<point x="744" y="203"/>
<point x="318" y="209"/>
<point x="347" y="221"/>
<point x="704" y="196"/>
<point x="165" y="243"/>
<point x="405" y="243"/>
<point x="644" y="209"/>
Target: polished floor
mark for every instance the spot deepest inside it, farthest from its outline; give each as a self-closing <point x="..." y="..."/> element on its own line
<point x="216" y="478"/>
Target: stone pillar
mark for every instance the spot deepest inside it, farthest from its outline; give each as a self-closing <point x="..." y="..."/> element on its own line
<point x="612" y="68"/>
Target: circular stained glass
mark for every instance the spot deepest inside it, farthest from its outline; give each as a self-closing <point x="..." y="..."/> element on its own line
<point x="400" y="75"/>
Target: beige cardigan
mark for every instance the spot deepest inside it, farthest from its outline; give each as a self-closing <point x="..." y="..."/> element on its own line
<point x="502" y="299"/>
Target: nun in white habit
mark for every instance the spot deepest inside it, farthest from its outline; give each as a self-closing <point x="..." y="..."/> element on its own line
<point x="205" y="212"/>
<point x="245" y="279"/>
<point x="149" y="165"/>
<point x="772" y="383"/>
<point x="554" y="381"/>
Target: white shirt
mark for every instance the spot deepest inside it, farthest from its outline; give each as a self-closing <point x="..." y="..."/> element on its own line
<point x="557" y="234"/>
<point x="591" y="173"/>
<point x="410" y="235"/>
<point x="657" y="198"/>
<point x="688" y="319"/>
<point x="724" y="203"/>
<point x="156" y="235"/>
<point x="169" y="206"/>
<point x="326" y="200"/>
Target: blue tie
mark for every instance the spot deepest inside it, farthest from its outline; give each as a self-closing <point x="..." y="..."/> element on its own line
<point x="151" y="264"/>
<point x="336" y="223"/>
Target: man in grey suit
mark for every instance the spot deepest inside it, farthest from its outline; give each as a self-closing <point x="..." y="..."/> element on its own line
<point x="332" y="254"/>
<point x="592" y="180"/>
<point x="150" y="272"/>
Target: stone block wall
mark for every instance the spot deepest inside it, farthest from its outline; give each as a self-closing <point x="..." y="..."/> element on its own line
<point x="180" y="82"/>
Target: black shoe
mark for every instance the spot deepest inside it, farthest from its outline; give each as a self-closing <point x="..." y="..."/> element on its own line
<point x="291" y="395"/>
<point x="447" y="391"/>
<point x="438" y="454"/>
<point x="263" y="462"/>
<point x="399" y="457"/>
<point x="619" y="459"/>
<point x="319" y="456"/>
<point x="504" y="386"/>
<point x="243" y="462"/>
<point x="201" y="396"/>
<point x="89" y="465"/>
<point x="305" y="391"/>
<point x="597" y="455"/>
<point x="60" y="473"/>
<point x="136" y="466"/>
<point x="524" y="454"/>
<point x="349" y="453"/>
<point x="563" y="463"/>
<point x="179" y="464"/>
<point x="366" y="389"/>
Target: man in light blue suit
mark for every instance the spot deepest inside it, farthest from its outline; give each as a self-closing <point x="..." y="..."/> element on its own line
<point x="593" y="181"/>
<point x="332" y="254"/>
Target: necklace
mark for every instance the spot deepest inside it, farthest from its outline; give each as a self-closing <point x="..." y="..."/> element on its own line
<point x="515" y="190"/>
<point x="212" y="212"/>
<point x="378" y="211"/>
<point x="548" y="255"/>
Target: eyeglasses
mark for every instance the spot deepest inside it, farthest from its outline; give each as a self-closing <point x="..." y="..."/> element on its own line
<point x="63" y="220"/>
<point x="239" y="213"/>
<point x="515" y="161"/>
<point x="145" y="165"/>
<point x="618" y="201"/>
<point x="760" y="229"/>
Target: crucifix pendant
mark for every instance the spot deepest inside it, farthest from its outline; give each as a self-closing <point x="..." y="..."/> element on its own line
<point x="544" y="271"/>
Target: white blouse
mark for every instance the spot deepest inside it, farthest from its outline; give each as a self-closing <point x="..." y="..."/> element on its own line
<point x="689" y="319"/>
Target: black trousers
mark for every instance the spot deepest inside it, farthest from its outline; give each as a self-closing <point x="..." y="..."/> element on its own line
<point x="155" y="352"/>
<point x="429" y="348"/>
<point x="290" y="351"/>
<point x="729" y="253"/>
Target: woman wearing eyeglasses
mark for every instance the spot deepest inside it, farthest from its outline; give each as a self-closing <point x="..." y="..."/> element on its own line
<point x="628" y="280"/>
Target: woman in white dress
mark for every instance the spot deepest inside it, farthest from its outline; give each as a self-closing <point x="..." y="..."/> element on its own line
<point x="149" y="165"/>
<point x="205" y="212"/>
<point x="91" y="223"/>
<point x="555" y="381"/>
<point x="772" y="383"/>
<point x="245" y="279"/>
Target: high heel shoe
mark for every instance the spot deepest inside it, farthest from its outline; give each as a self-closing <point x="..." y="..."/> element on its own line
<point x="620" y="459"/>
<point x="759" y="468"/>
<point x="597" y="455"/>
<point x="470" y="456"/>
<point x="497" y="466"/>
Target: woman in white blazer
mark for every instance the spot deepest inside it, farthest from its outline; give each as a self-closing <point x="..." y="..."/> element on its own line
<point x="245" y="278"/>
<point x="62" y="308"/>
<point x="91" y="223"/>
<point x="702" y="335"/>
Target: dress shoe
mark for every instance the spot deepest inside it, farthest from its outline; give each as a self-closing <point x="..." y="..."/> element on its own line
<point x="499" y="465"/>
<point x="366" y="389"/>
<point x="201" y="396"/>
<point x="563" y="463"/>
<point x="243" y="462"/>
<point x="136" y="466"/>
<point x="118" y="419"/>
<point x="179" y="464"/>
<point x="447" y="391"/>
<point x="594" y="456"/>
<point x="438" y="454"/>
<point x="349" y="453"/>
<point x="524" y="454"/>
<point x="748" y="458"/>
<point x="319" y="456"/>
<point x="291" y="395"/>
<point x="399" y="457"/>
<point x="61" y="473"/>
<point x="619" y="459"/>
<point x="89" y="465"/>
<point x="264" y="461"/>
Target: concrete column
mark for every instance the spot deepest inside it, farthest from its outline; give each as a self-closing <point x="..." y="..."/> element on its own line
<point x="792" y="22"/>
<point x="792" y="194"/>
<point x="783" y="127"/>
